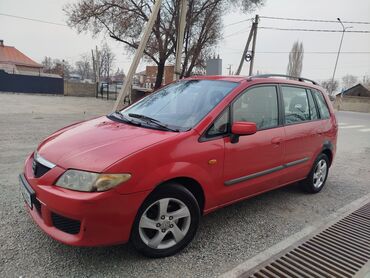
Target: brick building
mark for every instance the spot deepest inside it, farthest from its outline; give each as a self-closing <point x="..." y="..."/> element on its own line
<point x="151" y="75"/>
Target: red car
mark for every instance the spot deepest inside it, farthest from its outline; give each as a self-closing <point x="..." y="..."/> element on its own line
<point x="147" y="173"/>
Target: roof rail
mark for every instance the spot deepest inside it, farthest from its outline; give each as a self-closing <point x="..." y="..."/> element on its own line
<point x="283" y="75"/>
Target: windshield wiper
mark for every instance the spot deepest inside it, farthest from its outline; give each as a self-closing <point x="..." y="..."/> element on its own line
<point x="152" y="120"/>
<point x="121" y="117"/>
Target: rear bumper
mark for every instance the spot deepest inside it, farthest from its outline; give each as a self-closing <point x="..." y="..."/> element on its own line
<point x="80" y="218"/>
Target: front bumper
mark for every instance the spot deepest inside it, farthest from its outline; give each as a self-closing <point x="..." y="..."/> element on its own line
<point x="80" y="218"/>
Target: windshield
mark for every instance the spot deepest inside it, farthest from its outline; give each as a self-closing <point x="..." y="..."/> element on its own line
<point x="183" y="104"/>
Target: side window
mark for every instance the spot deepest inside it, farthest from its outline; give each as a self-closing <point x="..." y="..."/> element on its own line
<point x="220" y="126"/>
<point x="321" y="103"/>
<point x="312" y="107"/>
<point x="258" y="105"/>
<point x="296" y="107"/>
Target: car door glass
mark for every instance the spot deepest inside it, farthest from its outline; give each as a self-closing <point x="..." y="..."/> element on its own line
<point x="220" y="126"/>
<point x="258" y="105"/>
<point x="312" y="107"/>
<point x="321" y="103"/>
<point x="295" y="105"/>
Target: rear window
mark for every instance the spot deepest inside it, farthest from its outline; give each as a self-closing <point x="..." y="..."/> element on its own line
<point x="321" y="103"/>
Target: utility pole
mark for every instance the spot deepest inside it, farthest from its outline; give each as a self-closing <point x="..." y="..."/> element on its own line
<point x="180" y="37"/>
<point x="249" y="56"/>
<point x="340" y="47"/>
<point x="97" y="60"/>
<point x="126" y="89"/>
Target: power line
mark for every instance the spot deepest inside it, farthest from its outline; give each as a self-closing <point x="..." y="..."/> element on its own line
<point x="242" y="31"/>
<point x="305" y="52"/>
<point x="319" y="52"/>
<point x="34" y="19"/>
<point x="237" y="22"/>
<point x="313" y="30"/>
<point x="313" y="20"/>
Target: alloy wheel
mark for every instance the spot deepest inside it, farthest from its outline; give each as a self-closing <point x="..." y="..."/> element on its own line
<point x="164" y="223"/>
<point x="320" y="173"/>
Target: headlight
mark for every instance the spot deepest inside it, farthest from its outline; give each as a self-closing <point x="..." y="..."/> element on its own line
<point x="87" y="181"/>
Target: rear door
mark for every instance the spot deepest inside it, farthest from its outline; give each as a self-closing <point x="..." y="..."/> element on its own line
<point x="253" y="164"/>
<point x="301" y="131"/>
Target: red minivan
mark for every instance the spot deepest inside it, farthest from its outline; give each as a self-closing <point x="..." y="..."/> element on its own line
<point x="147" y="173"/>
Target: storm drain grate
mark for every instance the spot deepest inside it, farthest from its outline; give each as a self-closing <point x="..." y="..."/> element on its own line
<point x="340" y="250"/>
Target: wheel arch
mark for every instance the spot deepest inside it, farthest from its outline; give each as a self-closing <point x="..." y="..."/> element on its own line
<point x="327" y="149"/>
<point x="189" y="183"/>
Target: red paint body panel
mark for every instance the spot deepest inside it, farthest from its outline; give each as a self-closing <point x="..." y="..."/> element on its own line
<point x="154" y="156"/>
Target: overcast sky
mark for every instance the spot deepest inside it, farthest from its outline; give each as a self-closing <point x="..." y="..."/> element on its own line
<point x="37" y="39"/>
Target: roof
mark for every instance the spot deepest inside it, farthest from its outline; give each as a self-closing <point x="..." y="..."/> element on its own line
<point x="357" y="90"/>
<point x="11" y="55"/>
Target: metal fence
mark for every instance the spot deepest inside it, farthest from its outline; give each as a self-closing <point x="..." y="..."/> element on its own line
<point x="20" y="83"/>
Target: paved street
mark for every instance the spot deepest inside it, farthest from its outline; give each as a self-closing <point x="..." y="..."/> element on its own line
<point x="225" y="238"/>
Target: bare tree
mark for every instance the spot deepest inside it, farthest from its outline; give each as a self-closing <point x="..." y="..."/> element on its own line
<point x="123" y="21"/>
<point x="107" y="58"/>
<point x="330" y="85"/>
<point x="83" y="67"/>
<point x="47" y="63"/>
<point x="366" y="81"/>
<point x="57" y="66"/>
<point x="295" y="60"/>
<point x="349" y="80"/>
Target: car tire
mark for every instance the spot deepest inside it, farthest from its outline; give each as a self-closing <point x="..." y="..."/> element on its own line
<point x="166" y="222"/>
<point x="316" y="179"/>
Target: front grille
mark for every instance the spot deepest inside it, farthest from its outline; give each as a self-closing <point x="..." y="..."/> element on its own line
<point x="67" y="225"/>
<point x="39" y="169"/>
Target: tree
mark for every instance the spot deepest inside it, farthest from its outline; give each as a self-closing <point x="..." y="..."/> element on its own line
<point x="295" y="60"/>
<point x="56" y="66"/>
<point x="366" y="81"/>
<point x="123" y="21"/>
<point x="47" y="63"/>
<point x="83" y="67"/>
<point x="349" y="80"/>
<point x="107" y="60"/>
<point x="330" y="85"/>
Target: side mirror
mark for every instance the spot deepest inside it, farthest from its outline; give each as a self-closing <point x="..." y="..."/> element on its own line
<point x="241" y="129"/>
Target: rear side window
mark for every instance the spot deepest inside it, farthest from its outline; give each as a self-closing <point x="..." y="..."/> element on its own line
<point x="312" y="107"/>
<point x="296" y="105"/>
<point x="321" y="103"/>
<point x="258" y="105"/>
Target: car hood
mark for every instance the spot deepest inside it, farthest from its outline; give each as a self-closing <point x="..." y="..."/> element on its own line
<point x="96" y="144"/>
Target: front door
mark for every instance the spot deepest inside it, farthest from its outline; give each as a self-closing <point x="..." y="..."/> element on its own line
<point x="253" y="164"/>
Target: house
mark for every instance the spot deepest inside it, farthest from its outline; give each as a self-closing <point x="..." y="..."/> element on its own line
<point x="356" y="91"/>
<point x="15" y="62"/>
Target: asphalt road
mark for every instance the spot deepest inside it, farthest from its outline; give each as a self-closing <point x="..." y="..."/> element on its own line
<point x="225" y="238"/>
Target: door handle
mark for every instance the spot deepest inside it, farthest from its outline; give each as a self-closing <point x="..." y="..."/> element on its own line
<point x="276" y="140"/>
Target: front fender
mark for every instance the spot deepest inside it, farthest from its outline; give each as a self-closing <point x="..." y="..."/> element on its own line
<point x="168" y="172"/>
